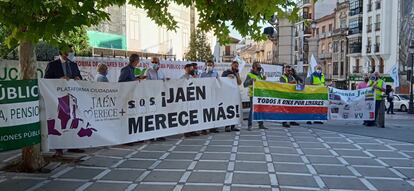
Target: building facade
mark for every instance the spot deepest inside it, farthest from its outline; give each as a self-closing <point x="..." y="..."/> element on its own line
<point x="285" y="42"/>
<point x="302" y="34"/>
<point x="355" y="25"/>
<point x="340" y="60"/>
<point x="323" y="34"/>
<point x="143" y="36"/>
<point x="380" y="35"/>
<point x="406" y="40"/>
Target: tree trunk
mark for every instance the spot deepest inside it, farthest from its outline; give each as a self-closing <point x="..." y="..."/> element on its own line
<point x="32" y="159"/>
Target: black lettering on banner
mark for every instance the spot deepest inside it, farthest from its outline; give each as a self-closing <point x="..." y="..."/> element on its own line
<point x="193" y="117"/>
<point x="221" y="115"/>
<point x="180" y="95"/>
<point x="172" y="120"/>
<point x="149" y="123"/>
<point x="135" y="125"/>
<point x="152" y="101"/>
<point x="160" y="121"/>
<point x="183" y="118"/>
<point x="190" y="94"/>
<point x="230" y="112"/>
<point x="209" y="114"/>
<point x="201" y="92"/>
<point x="131" y="104"/>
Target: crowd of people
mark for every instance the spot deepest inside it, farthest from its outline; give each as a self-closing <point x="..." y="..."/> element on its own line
<point x="64" y="68"/>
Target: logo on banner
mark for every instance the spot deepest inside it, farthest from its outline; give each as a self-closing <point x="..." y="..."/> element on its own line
<point x="70" y="118"/>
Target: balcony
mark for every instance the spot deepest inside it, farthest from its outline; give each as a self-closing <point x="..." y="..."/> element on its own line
<point x="323" y="56"/>
<point x="378" y="5"/>
<point x="307" y="15"/>
<point x="356" y="30"/>
<point x="356" y="11"/>
<point x="378" y="26"/>
<point x="369" y="27"/>
<point x="377" y="47"/>
<point x="355" y="48"/>
<point x="368" y="48"/>
<point x="340" y="31"/>
<point x="369" y="7"/>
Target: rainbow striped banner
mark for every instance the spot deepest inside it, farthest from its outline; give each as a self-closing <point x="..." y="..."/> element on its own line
<point x="282" y="102"/>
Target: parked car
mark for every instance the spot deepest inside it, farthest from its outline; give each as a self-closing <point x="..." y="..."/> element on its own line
<point x="400" y="102"/>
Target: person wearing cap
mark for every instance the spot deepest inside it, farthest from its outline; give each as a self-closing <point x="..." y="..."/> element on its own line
<point x="254" y="74"/>
<point x="379" y="86"/>
<point x="232" y="73"/>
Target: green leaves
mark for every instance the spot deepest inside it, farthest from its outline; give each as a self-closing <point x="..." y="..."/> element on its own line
<point x="48" y="19"/>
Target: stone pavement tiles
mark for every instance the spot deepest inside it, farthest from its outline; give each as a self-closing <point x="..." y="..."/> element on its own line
<point x="275" y="159"/>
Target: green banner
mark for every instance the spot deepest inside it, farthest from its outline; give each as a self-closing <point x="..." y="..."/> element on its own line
<point x="19" y="114"/>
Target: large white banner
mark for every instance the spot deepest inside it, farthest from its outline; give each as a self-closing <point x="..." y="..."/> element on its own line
<point x="81" y="114"/>
<point x="351" y="104"/>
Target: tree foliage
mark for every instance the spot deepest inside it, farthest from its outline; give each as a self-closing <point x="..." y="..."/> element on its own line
<point x="47" y="20"/>
<point x="199" y="49"/>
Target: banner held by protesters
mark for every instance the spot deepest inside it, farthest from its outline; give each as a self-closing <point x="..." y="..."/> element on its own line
<point x="284" y="102"/>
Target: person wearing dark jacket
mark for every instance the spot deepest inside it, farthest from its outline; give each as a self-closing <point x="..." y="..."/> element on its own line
<point x="63" y="68"/>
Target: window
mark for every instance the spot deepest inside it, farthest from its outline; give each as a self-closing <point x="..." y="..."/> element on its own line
<point x="329" y="47"/>
<point x="330" y="27"/>
<point x="357" y="66"/>
<point x="378" y="4"/>
<point x="322" y="48"/>
<point x="355" y="26"/>
<point x="342" y="68"/>
<point x="369" y="25"/>
<point x="323" y="29"/>
<point x="335" y="68"/>
<point x="378" y="22"/>
<point x="335" y="47"/>
<point x="227" y="49"/>
<point x="317" y="31"/>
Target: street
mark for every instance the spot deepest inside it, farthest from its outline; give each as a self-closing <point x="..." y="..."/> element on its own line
<point x="298" y="158"/>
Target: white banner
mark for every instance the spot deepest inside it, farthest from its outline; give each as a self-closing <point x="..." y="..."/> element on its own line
<point x="351" y="104"/>
<point x="81" y="114"/>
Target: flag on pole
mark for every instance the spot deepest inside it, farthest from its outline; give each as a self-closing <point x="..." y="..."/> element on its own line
<point x="394" y="75"/>
<point x="313" y="64"/>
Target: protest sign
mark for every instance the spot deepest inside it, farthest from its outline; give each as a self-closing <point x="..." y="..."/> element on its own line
<point x="282" y="102"/>
<point x="351" y="104"/>
<point x="80" y="114"/>
<point x="19" y="114"/>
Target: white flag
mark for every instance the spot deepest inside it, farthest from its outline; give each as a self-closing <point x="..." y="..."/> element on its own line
<point x="394" y="75"/>
<point x="312" y="66"/>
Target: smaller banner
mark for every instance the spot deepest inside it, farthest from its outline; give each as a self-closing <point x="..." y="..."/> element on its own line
<point x="19" y="114"/>
<point x="285" y="102"/>
<point x="351" y="104"/>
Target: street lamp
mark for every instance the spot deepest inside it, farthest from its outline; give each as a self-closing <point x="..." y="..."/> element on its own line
<point x="313" y="26"/>
<point x="411" y="103"/>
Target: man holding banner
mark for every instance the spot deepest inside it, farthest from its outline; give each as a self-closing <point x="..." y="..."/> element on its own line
<point x="317" y="79"/>
<point x="232" y="73"/>
<point x="254" y="75"/>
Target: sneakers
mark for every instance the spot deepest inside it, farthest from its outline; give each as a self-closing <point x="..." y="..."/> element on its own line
<point x="285" y="124"/>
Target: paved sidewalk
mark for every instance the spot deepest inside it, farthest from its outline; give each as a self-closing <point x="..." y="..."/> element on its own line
<point x="276" y="159"/>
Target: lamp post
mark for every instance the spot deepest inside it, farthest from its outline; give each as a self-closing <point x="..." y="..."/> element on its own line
<point x="411" y="103"/>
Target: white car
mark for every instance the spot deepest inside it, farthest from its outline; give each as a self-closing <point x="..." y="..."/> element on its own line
<point x="400" y="102"/>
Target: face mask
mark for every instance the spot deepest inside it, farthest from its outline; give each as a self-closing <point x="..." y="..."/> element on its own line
<point x="318" y="71"/>
<point x="155" y="66"/>
<point x="209" y="68"/>
<point x="71" y="56"/>
<point x="195" y="72"/>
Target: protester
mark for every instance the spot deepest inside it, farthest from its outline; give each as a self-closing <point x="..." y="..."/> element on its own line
<point x="189" y="73"/>
<point x="287" y="77"/>
<point x="379" y="86"/>
<point x="363" y="84"/>
<point x="63" y="68"/>
<point x="232" y="73"/>
<point x="317" y="79"/>
<point x="298" y="79"/>
<point x="209" y="72"/>
<point x="102" y="72"/>
<point x="389" y="92"/>
<point x="253" y="75"/>
<point x="153" y="72"/>
<point x="127" y="72"/>
<point x="195" y="70"/>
